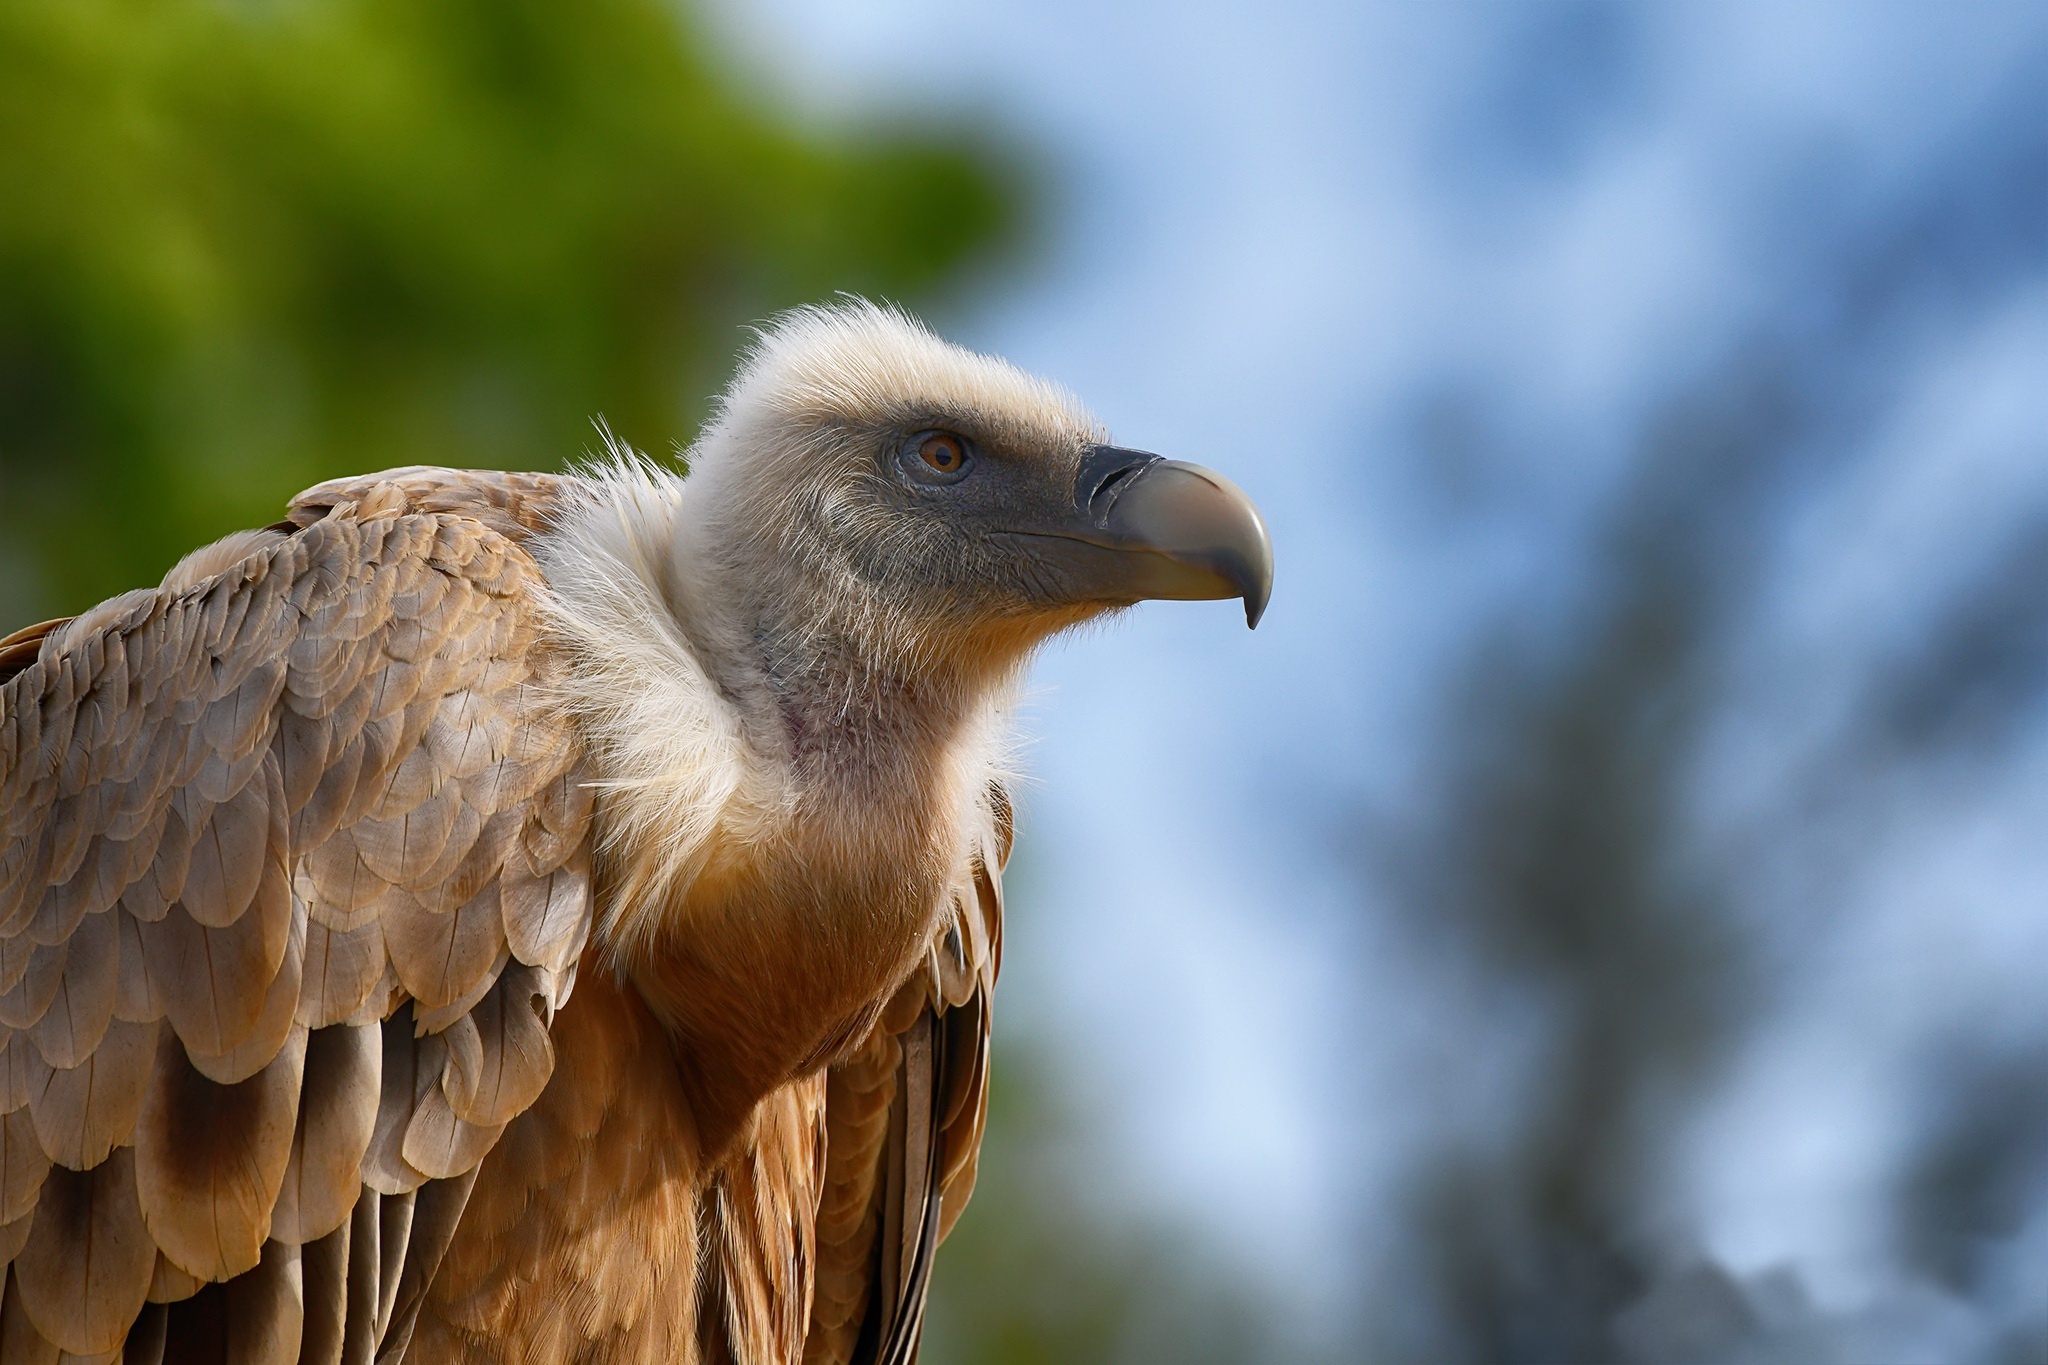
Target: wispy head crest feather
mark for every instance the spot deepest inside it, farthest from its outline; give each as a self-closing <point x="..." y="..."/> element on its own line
<point x="859" y="360"/>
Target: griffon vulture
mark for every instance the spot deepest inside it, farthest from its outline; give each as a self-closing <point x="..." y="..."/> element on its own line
<point x="526" y="918"/>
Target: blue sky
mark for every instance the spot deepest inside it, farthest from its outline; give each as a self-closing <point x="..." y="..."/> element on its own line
<point x="1414" y="275"/>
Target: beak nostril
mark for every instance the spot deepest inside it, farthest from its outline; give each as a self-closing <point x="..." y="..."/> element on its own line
<point x="1105" y="472"/>
<point x="1104" y="496"/>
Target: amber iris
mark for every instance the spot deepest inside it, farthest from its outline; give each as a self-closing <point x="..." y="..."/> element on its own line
<point x="942" y="451"/>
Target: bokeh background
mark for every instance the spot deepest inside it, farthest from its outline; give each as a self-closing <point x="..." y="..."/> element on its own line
<point x="1602" y="914"/>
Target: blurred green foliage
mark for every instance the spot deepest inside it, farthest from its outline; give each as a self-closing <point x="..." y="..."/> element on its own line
<point x="249" y="244"/>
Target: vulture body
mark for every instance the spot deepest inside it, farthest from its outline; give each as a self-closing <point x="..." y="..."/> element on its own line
<point x="524" y="918"/>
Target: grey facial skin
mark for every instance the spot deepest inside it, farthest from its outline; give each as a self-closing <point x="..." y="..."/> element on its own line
<point x="1017" y="525"/>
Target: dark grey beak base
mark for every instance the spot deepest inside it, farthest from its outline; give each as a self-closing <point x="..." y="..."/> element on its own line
<point x="1146" y="527"/>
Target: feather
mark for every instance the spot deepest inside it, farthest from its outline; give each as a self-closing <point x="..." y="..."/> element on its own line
<point x="394" y="1233"/>
<point x="559" y="813"/>
<point x="398" y="683"/>
<point x="499" y="1055"/>
<point x="352" y="707"/>
<point x="341" y="970"/>
<point x="20" y="1342"/>
<point x="13" y="1237"/>
<point x="134" y="1002"/>
<point x="151" y="895"/>
<point x="265" y="1309"/>
<point x="25" y="1002"/>
<point x="320" y="670"/>
<point x="445" y="956"/>
<point x="337" y="1113"/>
<point x="84" y="1272"/>
<point x="383" y="744"/>
<point x="439" y="1017"/>
<point x="338" y="889"/>
<point x="547" y="917"/>
<point x="402" y="787"/>
<point x="437" y="1210"/>
<point x="88" y="892"/>
<point x="323" y="1269"/>
<point x="145" y="1341"/>
<point x="209" y="1158"/>
<point x="16" y="952"/>
<point x="956" y="975"/>
<point x="440" y="1145"/>
<point x="82" y="1113"/>
<point x="23" y="1072"/>
<point x="497" y="834"/>
<point x="764" y="1211"/>
<point x="121" y="860"/>
<point x="135" y="808"/>
<point x="213" y="983"/>
<point x="315" y="821"/>
<point x="168" y="1284"/>
<point x="218" y="778"/>
<point x="212" y="819"/>
<point x="441" y="850"/>
<point x="240" y="721"/>
<point x="365" y="1275"/>
<point x="59" y="696"/>
<point x="301" y="746"/>
<point x="83" y="1004"/>
<point x="405" y="1061"/>
<point x="859" y="1100"/>
<point x="471" y="735"/>
<point x="68" y="834"/>
<point x="878" y="1221"/>
<point x="22" y="868"/>
<point x="22" y="1166"/>
<point x="277" y="1018"/>
<point x="428" y="1137"/>
<point x="228" y="853"/>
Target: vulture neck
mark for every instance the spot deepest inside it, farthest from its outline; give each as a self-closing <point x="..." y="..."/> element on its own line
<point x="783" y="806"/>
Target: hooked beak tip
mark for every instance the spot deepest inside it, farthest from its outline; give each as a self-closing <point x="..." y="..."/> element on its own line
<point x="1206" y="526"/>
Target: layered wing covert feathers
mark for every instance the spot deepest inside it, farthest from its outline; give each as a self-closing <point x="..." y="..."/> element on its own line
<point x="294" y="872"/>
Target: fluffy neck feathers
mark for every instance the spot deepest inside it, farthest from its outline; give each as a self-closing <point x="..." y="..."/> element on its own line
<point x="724" y="727"/>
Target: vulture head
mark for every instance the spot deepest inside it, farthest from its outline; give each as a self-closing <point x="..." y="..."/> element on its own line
<point x="794" y="663"/>
<point x="869" y="492"/>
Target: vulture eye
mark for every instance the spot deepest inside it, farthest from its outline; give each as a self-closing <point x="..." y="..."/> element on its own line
<point x="941" y="450"/>
<point x="937" y="457"/>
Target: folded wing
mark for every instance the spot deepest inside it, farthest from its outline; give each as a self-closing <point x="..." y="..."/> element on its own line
<point x="294" y="872"/>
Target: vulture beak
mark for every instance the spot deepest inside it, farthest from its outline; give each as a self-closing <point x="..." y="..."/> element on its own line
<point x="1144" y="528"/>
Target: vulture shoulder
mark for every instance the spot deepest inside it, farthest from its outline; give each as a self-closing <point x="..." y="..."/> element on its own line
<point x="294" y="873"/>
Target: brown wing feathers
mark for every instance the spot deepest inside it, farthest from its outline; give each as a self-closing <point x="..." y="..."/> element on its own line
<point x="293" y="875"/>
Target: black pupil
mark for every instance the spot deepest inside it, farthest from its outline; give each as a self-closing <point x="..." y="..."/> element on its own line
<point x="941" y="453"/>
